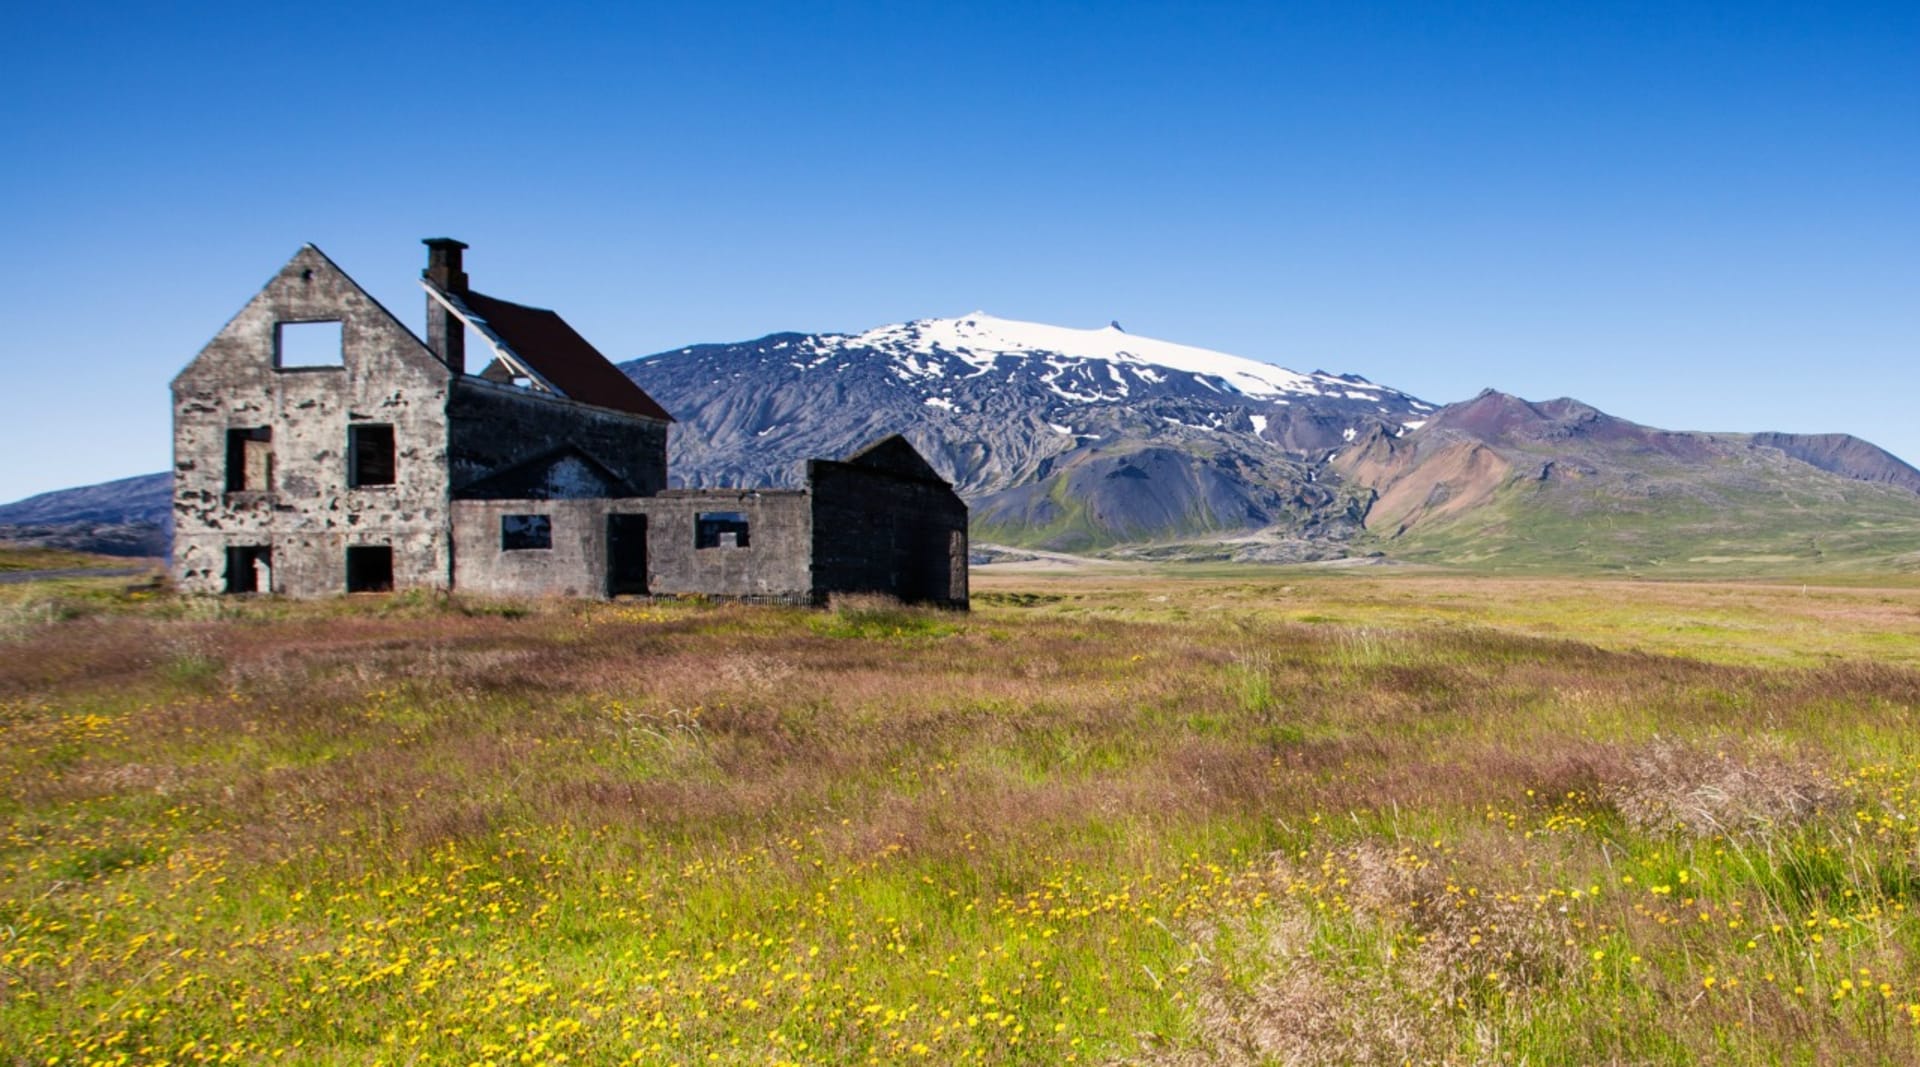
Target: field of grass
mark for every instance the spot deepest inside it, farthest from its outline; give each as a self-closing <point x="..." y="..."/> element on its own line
<point x="1215" y="817"/>
<point x="15" y="558"/>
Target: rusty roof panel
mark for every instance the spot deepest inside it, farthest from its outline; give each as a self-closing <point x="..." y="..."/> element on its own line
<point x="558" y="353"/>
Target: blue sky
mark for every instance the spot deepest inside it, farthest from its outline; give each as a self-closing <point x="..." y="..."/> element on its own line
<point x="1699" y="216"/>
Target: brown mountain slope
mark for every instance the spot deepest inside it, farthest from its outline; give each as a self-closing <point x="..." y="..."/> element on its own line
<point x="1414" y="486"/>
<point x="1500" y="481"/>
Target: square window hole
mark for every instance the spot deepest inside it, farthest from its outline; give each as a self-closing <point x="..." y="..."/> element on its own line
<point x="720" y="529"/>
<point x="369" y="568"/>
<point x="308" y="344"/>
<point x="520" y="533"/>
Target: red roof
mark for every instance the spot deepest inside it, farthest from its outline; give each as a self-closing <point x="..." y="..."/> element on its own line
<point x="553" y="350"/>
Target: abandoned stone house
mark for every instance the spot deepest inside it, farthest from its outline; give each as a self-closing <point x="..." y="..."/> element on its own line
<point x="320" y="447"/>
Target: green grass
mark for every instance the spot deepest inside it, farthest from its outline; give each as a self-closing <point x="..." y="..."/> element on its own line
<point x="25" y="558"/>
<point x="1159" y="819"/>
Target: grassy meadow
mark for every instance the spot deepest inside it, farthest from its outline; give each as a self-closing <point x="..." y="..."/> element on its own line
<point x="18" y="558"/>
<point x="1206" y="817"/>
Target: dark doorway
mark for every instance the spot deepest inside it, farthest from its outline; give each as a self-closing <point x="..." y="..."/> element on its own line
<point x="922" y="571"/>
<point x="249" y="569"/>
<point x="369" y="568"/>
<point x="626" y="554"/>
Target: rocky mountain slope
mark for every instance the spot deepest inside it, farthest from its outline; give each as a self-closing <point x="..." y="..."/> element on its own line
<point x="1059" y="438"/>
<point x="127" y="517"/>
<point x="1499" y="481"/>
<point x="1101" y="441"/>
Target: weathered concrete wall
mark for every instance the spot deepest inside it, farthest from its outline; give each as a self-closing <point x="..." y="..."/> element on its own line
<point x="576" y="565"/>
<point x="493" y="427"/>
<point x="310" y="516"/>
<point x="894" y="532"/>
<point x="878" y="531"/>
<point x="775" y="563"/>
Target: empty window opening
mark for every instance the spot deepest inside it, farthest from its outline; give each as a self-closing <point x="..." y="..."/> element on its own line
<point x="250" y="460"/>
<point x="249" y="569"/>
<point x="369" y="455"/>
<point x="519" y="533"/>
<point x="720" y="529"/>
<point x="308" y="344"/>
<point x="369" y="568"/>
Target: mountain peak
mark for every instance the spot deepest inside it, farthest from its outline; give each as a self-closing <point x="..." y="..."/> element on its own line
<point x="1496" y="416"/>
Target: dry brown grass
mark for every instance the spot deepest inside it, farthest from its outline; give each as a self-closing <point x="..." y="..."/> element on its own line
<point x="1428" y="955"/>
<point x="1669" y="787"/>
<point x="728" y="719"/>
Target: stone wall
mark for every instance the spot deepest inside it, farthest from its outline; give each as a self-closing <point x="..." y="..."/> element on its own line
<point x="575" y="565"/>
<point x="494" y="427"/>
<point x="308" y="515"/>
<point x="772" y="565"/>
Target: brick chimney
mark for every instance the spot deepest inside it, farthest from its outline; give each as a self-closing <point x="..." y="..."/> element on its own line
<point x="446" y="334"/>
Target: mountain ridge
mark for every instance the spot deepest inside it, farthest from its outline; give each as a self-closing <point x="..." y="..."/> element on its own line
<point x="1035" y="424"/>
<point x="1097" y="440"/>
<point x="1497" y="480"/>
<point x="124" y="517"/>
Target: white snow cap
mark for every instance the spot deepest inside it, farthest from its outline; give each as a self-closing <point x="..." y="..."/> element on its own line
<point x="979" y="337"/>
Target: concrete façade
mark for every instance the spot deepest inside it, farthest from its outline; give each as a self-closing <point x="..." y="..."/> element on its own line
<point x="321" y="448"/>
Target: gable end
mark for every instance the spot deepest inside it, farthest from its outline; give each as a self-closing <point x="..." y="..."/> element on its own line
<point x="311" y="288"/>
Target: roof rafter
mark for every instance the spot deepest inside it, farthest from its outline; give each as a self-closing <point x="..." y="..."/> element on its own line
<point x="501" y="350"/>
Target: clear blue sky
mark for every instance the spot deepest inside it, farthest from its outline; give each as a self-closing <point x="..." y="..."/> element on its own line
<point x="1700" y="216"/>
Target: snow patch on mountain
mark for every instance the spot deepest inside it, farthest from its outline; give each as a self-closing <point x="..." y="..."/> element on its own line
<point x="980" y="340"/>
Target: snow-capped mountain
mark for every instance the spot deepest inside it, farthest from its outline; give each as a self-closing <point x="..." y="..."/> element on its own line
<point x="1089" y="366"/>
<point x="1067" y="437"/>
<point x="1098" y="439"/>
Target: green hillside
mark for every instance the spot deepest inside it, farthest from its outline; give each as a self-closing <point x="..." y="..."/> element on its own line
<point x="1699" y="522"/>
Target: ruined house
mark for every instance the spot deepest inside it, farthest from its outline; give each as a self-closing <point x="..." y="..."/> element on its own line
<point x="320" y="448"/>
